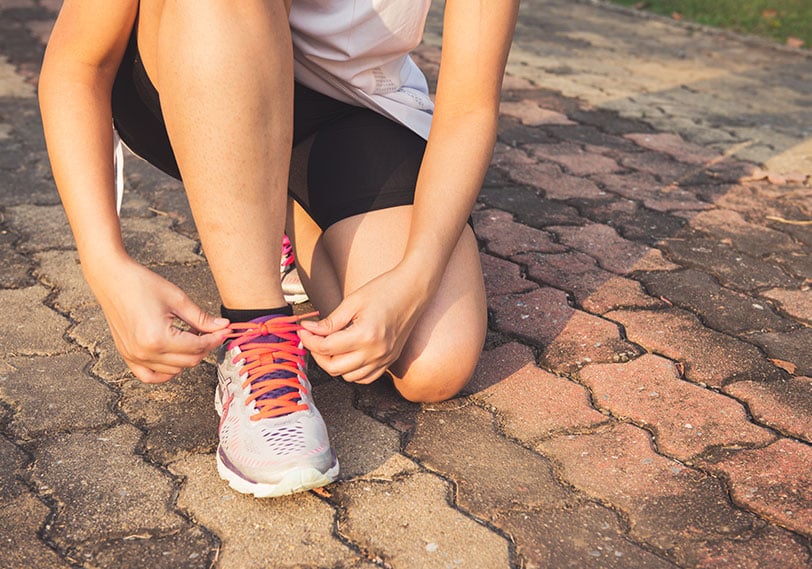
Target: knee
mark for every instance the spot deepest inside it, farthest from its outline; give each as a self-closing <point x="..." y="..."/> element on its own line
<point x="427" y="381"/>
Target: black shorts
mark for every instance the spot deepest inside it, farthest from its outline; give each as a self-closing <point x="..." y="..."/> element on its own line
<point x="345" y="160"/>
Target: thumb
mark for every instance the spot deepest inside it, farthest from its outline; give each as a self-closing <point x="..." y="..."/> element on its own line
<point x="337" y="320"/>
<point x="197" y="318"/>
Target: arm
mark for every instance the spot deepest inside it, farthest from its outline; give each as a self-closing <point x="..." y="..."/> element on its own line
<point x="476" y="40"/>
<point x="83" y="55"/>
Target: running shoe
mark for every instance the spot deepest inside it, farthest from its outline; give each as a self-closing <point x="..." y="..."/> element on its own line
<point x="273" y="440"/>
<point x="291" y="283"/>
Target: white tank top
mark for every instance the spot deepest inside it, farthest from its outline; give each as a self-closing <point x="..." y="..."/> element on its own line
<point x="357" y="51"/>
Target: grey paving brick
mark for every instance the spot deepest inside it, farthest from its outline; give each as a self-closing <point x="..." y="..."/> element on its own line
<point x="20" y="546"/>
<point x="54" y="394"/>
<point x="291" y="531"/>
<point x="418" y="527"/>
<point x="29" y="327"/>
<point x="103" y="489"/>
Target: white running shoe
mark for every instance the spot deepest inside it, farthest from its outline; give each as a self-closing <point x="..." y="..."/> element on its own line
<point x="292" y="286"/>
<point x="273" y="440"/>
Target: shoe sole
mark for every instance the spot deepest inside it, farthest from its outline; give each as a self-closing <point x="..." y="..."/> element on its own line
<point x="295" y="480"/>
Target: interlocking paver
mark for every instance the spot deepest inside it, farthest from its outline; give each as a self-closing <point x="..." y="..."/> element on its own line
<point x="91" y="332"/>
<point x="681" y="511"/>
<point x="418" y="527"/>
<point x="634" y="221"/>
<point x="775" y="482"/>
<point x="16" y="267"/>
<point x="662" y="167"/>
<point x="291" y="531"/>
<point x="785" y="405"/>
<point x="612" y="252"/>
<point x="574" y="158"/>
<point x="794" y="347"/>
<point x="570" y="337"/>
<point x="530" y="113"/>
<point x="646" y="189"/>
<point x="503" y="277"/>
<point x="674" y="146"/>
<point x="709" y="357"/>
<point x="529" y="207"/>
<point x="729" y="225"/>
<point x="29" y="327"/>
<point x="720" y="308"/>
<point x="61" y="271"/>
<point x="504" y="237"/>
<point x="686" y="419"/>
<point x="102" y="488"/>
<point x="548" y="403"/>
<point x="43" y="389"/>
<point x="550" y="526"/>
<point x="189" y="548"/>
<point x="20" y="546"/>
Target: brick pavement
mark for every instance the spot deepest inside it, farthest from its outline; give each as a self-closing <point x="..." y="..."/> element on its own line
<point x="645" y="397"/>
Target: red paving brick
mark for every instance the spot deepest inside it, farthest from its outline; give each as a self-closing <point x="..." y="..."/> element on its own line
<point x="547" y="403"/>
<point x="724" y="224"/>
<point x="613" y="252"/>
<point x="645" y="188"/>
<point x="709" y="357"/>
<point x="681" y="511"/>
<point x="505" y="238"/>
<point x="775" y="482"/>
<point x="570" y="337"/>
<point x="674" y="146"/>
<point x="503" y="277"/>
<point x="783" y="405"/>
<point x="531" y="114"/>
<point x="574" y="159"/>
<point x="686" y="419"/>
<point x="554" y="182"/>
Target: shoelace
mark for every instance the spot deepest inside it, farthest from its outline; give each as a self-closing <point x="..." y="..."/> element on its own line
<point x="287" y="253"/>
<point x="264" y="358"/>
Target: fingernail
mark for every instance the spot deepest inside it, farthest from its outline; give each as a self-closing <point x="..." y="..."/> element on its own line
<point x="221" y="322"/>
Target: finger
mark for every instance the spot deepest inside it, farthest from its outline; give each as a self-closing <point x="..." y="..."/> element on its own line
<point x="343" y="364"/>
<point x="183" y="342"/>
<point x="337" y="343"/>
<point x="196" y="317"/>
<point x="147" y="375"/>
<point x="337" y="320"/>
<point x="365" y="375"/>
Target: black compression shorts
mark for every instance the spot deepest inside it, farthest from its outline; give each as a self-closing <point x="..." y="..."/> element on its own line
<point x="346" y="160"/>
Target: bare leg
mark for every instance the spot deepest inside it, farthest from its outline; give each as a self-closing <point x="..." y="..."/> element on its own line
<point x="444" y="347"/>
<point x="224" y="71"/>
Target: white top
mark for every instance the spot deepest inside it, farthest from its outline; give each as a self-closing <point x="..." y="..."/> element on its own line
<point x="357" y="51"/>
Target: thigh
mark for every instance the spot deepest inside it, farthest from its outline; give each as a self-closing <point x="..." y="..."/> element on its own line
<point x="444" y="347"/>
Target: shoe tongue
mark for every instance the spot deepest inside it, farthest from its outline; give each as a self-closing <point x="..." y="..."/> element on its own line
<point x="278" y="374"/>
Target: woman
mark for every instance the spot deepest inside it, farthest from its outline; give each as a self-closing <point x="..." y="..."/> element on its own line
<point x="217" y="93"/>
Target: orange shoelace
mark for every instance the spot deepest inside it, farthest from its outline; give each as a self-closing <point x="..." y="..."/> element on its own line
<point x="263" y="358"/>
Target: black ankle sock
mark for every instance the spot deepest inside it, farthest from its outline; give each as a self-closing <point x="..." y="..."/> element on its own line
<point x="244" y="315"/>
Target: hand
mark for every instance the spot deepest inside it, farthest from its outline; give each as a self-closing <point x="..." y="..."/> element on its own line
<point x="141" y="307"/>
<point x="366" y="333"/>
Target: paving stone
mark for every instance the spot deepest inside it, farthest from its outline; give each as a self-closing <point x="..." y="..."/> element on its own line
<point x="41" y="227"/>
<point x="574" y="158"/>
<point x="103" y="490"/>
<point x="92" y="333"/>
<point x="503" y="277"/>
<point x="646" y="189"/>
<point x="662" y="167"/>
<point x="709" y="358"/>
<point x="680" y="511"/>
<point x="758" y="202"/>
<point x="529" y="207"/>
<point x="17" y="268"/>
<point x="719" y="308"/>
<point x="514" y="489"/>
<point x="45" y="392"/>
<point x="794" y="346"/>
<point x="13" y="459"/>
<point x="569" y="337"/>
<point x="20" y="546"/>
<point x="361" y="443"/>
<point x="189" y="548"/>
<point x="505" y="237"/>
<point x="418" y="528"/>
<point x="674" y="146"/>
<point x="785" y="405"/>
<point x="775" y="482"/>
<point x="594" y="289"/>
<point x="29" y="327"/>
<point x="498" y="364"/>
<point x="61" y="271"/>
<point x="381" y="400"/>
<point x="196" y="281"/>
<point x="298" y="528"/>
<point x="724" y="224"/>
<point x="633" y="221"/>
<point x="686" y="420"/>
<point x="531" y="114"/>
<point x="732" y="268"/>
<point x="548" y="404"/>
<point x="795" y="263"/>
<point x="152" y="242"/>
<point x="178" y="416"/>
<point x="511" y="131"/>
<point x="613" y="252"/>
<point x="558" y="186"/>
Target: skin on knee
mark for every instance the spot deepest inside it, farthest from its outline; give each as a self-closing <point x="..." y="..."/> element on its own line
<point x="432" y="379"/>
